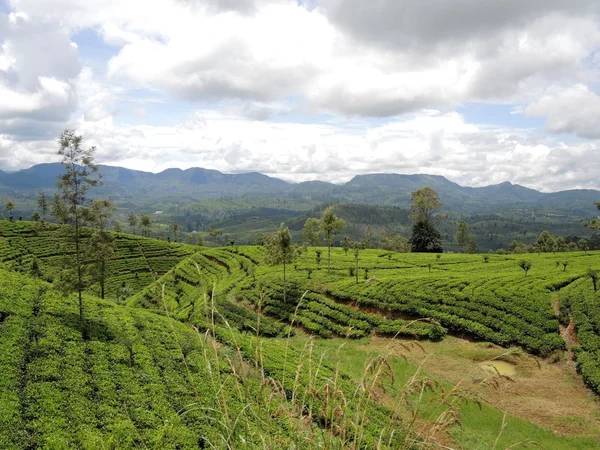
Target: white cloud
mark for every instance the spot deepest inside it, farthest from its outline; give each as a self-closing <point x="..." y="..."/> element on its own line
<point x="574" y="110"/>
<point x="244" y="63"/>
<point x="38" y="66"/>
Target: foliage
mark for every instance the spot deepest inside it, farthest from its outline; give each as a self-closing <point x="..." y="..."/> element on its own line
<point x="425" y="238"/>
<point x="80" y="175"/>
<point x="330" y="225"/>
<point x="524" y="264"/>
<point x="311" y="232"/>
<point x="425" y="202"/>
<point x="280" y="250"/>
<point x="395" y="243"/>
<point x="462" y="234"/>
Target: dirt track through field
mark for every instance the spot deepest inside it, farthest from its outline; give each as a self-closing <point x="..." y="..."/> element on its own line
<point x="548" y="393"/>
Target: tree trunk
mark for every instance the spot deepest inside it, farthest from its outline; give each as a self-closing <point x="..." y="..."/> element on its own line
<point x="329" y="256"/>
<point x="284" y="283"/>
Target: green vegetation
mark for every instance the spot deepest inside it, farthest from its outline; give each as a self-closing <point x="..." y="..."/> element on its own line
<point x="206" y="351"/>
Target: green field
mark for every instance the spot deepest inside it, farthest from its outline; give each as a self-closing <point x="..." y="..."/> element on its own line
<point x="211" y="349"/>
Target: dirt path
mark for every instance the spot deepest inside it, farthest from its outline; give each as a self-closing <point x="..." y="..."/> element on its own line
<point x="568" y="333"/>
<point x="550" y="394"/>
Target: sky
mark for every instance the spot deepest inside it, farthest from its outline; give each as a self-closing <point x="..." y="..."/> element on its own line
<point x="480" y="92"/>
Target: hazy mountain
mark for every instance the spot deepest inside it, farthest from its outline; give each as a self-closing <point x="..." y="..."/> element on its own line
<point x="382" y="189"/>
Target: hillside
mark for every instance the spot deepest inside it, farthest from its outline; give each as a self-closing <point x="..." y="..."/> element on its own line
<point x="381" y="189"/>
<point x="210" y="351"/>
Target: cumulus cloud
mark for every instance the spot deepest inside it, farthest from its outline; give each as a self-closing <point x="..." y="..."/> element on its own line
<point x="306" y="90"/>
<point x="38" y="66"/>
<point x="573" y="110"/>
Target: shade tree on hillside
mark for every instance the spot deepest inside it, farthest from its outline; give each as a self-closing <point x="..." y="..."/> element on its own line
<point x="101" y="248"/>
<point x="524" y="264"/>
<point x="425" y="238"/>
<point x="8" y="207"/>
<point x="279" y="249"/>
<point x="330" y="226"/>
<point x="133" y="221"/>
<point x="42" y="203"/>
<point x="311" y="232"/>
<point x="356" y="247"/>
<point x="146" y="223"/>
<point x="81" y="174"/>
<point x="346" y="244"/>
<point x="174" y="228"/>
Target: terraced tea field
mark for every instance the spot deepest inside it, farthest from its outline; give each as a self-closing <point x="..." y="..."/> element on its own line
<point x="206" y="352"/>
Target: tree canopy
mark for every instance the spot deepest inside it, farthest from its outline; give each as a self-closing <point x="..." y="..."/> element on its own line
<point x="425" y="202"/>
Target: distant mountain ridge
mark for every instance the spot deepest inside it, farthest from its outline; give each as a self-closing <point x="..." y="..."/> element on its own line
<point x="383" y="189"/>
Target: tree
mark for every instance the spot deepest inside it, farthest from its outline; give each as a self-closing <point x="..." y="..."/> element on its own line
<point x="367" y="239"/>
<point x="462" y="234"/>
<point x="174" y="230"/>
<point x="146" y="222"/>
<point x="595" y="223"/>
<point x="215" y="234"/>
<point x="117" y="226"/>
<point x="102" y="245"/>
<point x="357" y="247"/>
<point x="42" y="202"/>
<point x="58" y="209"/>
<point x="80" y="175"/>
<point x="311" y="232"/>
<point x="346" y="244"/>
<point x="425" y="202"/>
<point x="281" y="250"/>
<point x="582" y="245"/>
<point x="525" y="265"/>
<point x="9" y="207"/>
<point x="472" y="245"/>
<point x="330" y="226"/>
<point x="35" y="217"/>
<point x="425" y="238"/>
<point x="199" y="241"/>
<point x="132" y="220"/>
<point x="395" y="243"/>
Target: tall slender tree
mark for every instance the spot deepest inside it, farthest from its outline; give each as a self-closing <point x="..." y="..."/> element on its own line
<point x="101" y="247"/>
<point x="132" y="219"/>
<point x="174" y="230"/>
<point x="42" y="202"/>
<point x="81" y="174"/>
<point x="330" y="226"/>
<point x="146" y="222"/>
<point x="281" y="250"/>
<point x="311" y="233"/>
<point x="9" y="206"/>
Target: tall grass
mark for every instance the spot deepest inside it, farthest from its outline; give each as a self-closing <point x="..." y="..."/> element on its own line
<point x="299" y="400"/>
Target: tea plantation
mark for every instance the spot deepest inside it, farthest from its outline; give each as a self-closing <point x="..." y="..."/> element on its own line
<point x="192" y="346"/>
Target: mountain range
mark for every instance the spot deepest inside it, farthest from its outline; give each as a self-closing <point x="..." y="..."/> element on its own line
<point x="383" y="189"/>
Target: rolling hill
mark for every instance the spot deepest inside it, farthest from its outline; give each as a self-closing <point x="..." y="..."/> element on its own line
<point x="198" y="184"/>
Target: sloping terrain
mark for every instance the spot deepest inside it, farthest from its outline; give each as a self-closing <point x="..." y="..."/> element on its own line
<point x="212" y="353"/>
